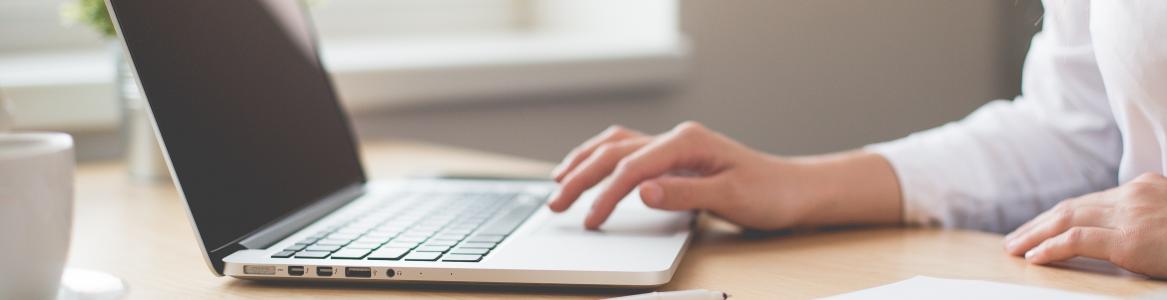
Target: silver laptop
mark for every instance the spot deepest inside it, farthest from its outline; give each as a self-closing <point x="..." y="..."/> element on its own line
<point x="264" y="157"/>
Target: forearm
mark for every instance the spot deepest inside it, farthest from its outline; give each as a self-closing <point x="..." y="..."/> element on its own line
<point x="855" y="187"/>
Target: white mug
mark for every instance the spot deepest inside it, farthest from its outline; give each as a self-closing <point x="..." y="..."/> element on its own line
<point x="36" y="212"/>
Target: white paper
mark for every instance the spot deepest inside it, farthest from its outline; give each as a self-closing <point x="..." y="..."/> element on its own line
<point x="924" y="287"/>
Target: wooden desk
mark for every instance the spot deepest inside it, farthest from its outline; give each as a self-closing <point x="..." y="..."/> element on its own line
<point x="140" y="232"/>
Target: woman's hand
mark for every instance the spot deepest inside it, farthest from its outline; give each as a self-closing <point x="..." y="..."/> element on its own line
<point x="1126" y="225"/>
<point x="691" y="167"/>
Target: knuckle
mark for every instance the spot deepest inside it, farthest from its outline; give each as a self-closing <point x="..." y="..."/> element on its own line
<point x="1137" y="190"/>
<point x="1063" y="218"/>
<point x="625" y="167"/>
<point x="689" y="128"/>
<point x="1074" y="236"/>
<point x="1062" y="207"/>
<point x="1150" y="177"/>
<point x="605" y="150"/>
<point x="616" y="130"/>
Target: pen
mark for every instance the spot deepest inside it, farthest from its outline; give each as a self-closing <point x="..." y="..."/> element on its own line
<point x="678" y="295"/>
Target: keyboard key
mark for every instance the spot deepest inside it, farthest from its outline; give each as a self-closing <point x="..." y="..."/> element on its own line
<point x="408" y="239"/>
<point x="402" y="244"/>
<point x="458" y="231"/>
<point x="332" y="242"/>
<point x="356" y="245"/>
<point x="462" y="228"/>
<point x="388" y="253"/>
<point x="478" y="251"/>
<point x="440" y="243"/>
<point x="371" y="240"/>
<point x="380" y="235"/>
<point x="284" y="254"/>
<point x="462" y="257"/>
<point x="423" y="256"/>
<point x="432" y="248"/>
<point x="489" y="238"/>
<point x="343" y="236"/>
<point x="449" y="237"/>
<point x="509" y="221"/>
<point x="296" y="247"/>
<point x="394" y="229"/>
<point x="418" y="233"/>
<point x="309" y="240"/>
<point x="312" y="254"/>
<point x="327" y="248"/>
<point x="349" y="253"/>
<point x="352" y="230"/>
<point x="482" y="245"/>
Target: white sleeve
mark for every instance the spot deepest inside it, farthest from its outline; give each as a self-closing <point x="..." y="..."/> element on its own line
<point x="1009" y="161"/>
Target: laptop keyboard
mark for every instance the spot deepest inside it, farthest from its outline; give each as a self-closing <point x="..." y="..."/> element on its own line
<point x="426" y="226"/>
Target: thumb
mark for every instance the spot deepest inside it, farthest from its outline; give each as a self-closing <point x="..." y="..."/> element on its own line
<point x="681" y="193"/>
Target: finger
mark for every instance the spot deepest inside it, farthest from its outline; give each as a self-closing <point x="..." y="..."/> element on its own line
<point x="682" y="193"/>
<point x="591" y="171"/>
<point x="585" y="150"/>
<point x="1093" y="199"/>
<point x="1059" y="222"/>
<point x="1093" y="242"/>
<point x="653" y="160"/>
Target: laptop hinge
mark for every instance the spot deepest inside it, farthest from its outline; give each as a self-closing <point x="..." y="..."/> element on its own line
<point x="281" y="229"/>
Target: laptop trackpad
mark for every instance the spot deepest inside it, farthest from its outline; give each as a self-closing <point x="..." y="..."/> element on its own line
<point x="631" y="218"/>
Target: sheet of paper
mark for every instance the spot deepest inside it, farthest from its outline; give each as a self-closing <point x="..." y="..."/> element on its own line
<point x="924" y="287"/>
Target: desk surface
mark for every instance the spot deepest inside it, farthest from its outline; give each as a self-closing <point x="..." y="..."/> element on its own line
<point x="139" y="231"/>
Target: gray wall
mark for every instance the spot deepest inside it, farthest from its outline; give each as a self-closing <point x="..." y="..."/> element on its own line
<point x="786" y="76"/>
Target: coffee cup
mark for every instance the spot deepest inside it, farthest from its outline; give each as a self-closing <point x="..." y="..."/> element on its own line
<point x="36" y="212"/>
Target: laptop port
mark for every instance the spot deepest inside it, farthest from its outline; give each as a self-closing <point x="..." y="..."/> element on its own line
<point x="390" y="273"/>
<point x="364" y="272"/>
<point x="324" y="271"/>
<point x="296" y="270"/>
<point x="259" y="270"/>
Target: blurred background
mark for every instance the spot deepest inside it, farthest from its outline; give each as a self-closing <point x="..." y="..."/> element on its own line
<point x="536" y="77"/>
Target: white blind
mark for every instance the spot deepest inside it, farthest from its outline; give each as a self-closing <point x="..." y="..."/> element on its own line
<point x="394" y="18"/>
<point x="30" y="25"/>
<point x="36" y="24"/>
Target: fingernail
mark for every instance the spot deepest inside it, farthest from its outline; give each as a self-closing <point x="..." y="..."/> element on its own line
<point x="553" y="200"/>
<point x="1029" y="254"/>
<point x="651" y="193"/>
<point x="1011" y="245"/>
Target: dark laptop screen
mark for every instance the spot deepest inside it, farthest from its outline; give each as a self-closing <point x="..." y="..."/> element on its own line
<point x="245" y="110"/>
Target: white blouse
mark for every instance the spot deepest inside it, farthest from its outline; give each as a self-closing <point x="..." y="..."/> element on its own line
<point x="1092" y="114"/>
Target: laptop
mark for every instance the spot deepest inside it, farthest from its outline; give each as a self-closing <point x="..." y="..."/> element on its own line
<point x="264" y="157"/>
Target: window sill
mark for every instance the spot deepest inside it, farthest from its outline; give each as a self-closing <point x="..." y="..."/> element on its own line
<point x="73" y="91"/>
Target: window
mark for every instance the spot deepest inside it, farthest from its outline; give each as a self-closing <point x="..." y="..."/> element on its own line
<point x="382" y="53"/>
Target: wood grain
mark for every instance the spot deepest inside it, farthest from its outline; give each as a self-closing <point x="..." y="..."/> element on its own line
<point x="140" y="232"/>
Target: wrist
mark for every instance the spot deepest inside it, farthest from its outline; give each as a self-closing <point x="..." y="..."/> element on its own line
<point x="856" y="187"/>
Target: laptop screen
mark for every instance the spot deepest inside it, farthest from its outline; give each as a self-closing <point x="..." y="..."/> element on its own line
<point x="245" y="110"/>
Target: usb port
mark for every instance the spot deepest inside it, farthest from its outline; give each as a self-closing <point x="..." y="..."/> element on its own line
<point x="296" y="270"/>
<point x="324" y="271"/>
<point x="358" y="272"/>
